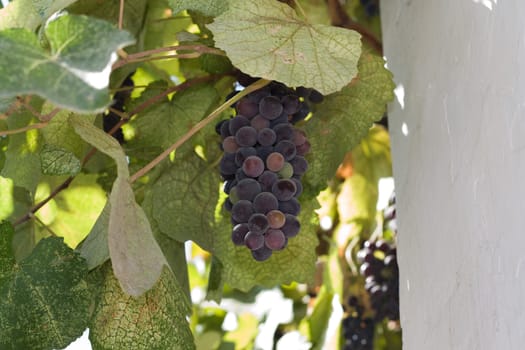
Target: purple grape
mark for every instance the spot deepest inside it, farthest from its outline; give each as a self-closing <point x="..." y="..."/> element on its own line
<point x="300" y="165"/>
<point x="303" y="149"/>
<point x="258" y="223"/>
<point x="248" y="189"/>
<point x="298" y="185"/>
<point x="283" y="131"/>
<point x="286" y="171"/>
<point x="227" y="164"/>
<point x="276" y="218"/>
<point x="229" y="145"/>
<point x="290" y="103"/>
<point x="315" y="96"/>
<point x="291" y="207"/>
<point x="238" y="233"/>
<point x="246" y="136"/>
<point x="243" y="153"/>
<point x="270" y="107"/>
<point x="267" y="179"/>
<point x="266" y="137"/>
<point x="274" y="239"/>
<point x="286" y="148"/>
<point x="284" y="189"/>
<point x="262" y="254"/>
<point x="259" y="122"/>
<point x="265" y="202"/>
<point x="242" y="210"/>
<point x="225" y="129"/>
<point x="247" y="107"/>
<point x="291" y="226"/>
<point x="253" y="241"/>
<point x="237" y="123"/>
<point x="253" y="166"/>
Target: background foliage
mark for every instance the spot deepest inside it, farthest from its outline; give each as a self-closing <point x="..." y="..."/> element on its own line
<point x="95" y="229"/>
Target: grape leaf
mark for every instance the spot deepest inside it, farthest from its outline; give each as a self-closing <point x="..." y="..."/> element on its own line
<point x="44" y="302"/>
<point x="95" y="247"/>
<point x="58" y="161"/>
<point x="189" y="188"/>
<point x="29" y="14"/>
<point x="176" y="117"/>
<point x="23" y="148"/>
<point x="241" y="271"/>
<point x="135" y="255"/>
<point x="74" y="75"/>
<point x="345" y="117"/>
<point x="155" y="320"/>
<point x="7" y="257"/>
<point x="210" y="8"/>
<point x="5" y="103"/>
<point x="266" y="39"/>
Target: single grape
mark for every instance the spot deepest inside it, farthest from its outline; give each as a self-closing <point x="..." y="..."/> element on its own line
<point x="315" y="96"/>
<point x="242" y="210"/>
<point x="276" y="218"/>
<point x="274" y="239"/>
<point x="262" y="254"/>
<point x="291" y="207"/>
<point x="237" y="123"/>
<point x="304" y="110"/>
<point x="248" y="188"/>
<point x="219" y="125"/>
<point x="275" y="161"/>
<point x="298" y="185"/>
<point x="266" y="137"/>
<point x="258" y="95"/>
<point x="258" y="223"/>
<point x="229" y="145"/>
<point x="302" y="91"/>
<point x="246" y="136"/>
<point x="290" y="103"/>
<point x="243" y="153"/>
<point x="284" y="189"/>
<point x="286" y="148"/>
<point x="247" y="107"/>
<point x="259" y="122"/>
<point x="267" y="179"/>
<point x="298" y="137"/>
<point x="228" y="204"/>
<point x="265" y="202"/>
<point x="280" y="89"/>
<point x="291" y="226"/>
<point x="299" y="164"/>
<point x="253" y="166"/>
<point x="283" y="131"/>
<point x="287" y="172"/>
<point x="238" y="233"/>
<point x="227" y="164"/>
<point x="225" y="129"/>
<point x="253" y="241"/>
<point x="270" y="107"/>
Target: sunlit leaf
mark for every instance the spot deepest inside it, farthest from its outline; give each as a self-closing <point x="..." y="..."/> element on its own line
<point x="29" y="14"/>
<point x="74" y="75"/>
<point x="58" y="161"/>
<point x="267" y="39"/>
<point x="209" y="8"/>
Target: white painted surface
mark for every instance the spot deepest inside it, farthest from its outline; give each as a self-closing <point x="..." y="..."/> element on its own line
<point x="459" y="166"/>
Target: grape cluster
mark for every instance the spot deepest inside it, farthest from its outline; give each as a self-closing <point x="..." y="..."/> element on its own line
<point x="371" y="7"/>
<point x="379" y="266"/>
<point x="358" y="331"/>
<point x="262" y="166"/>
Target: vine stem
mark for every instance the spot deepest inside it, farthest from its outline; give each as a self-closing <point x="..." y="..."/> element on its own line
<point x="121" y="14"/>
<point x="24" y="129"/>
<point x="197" y="127"/>
<point x="138" y="57"/>
<point x="93" y="150"/>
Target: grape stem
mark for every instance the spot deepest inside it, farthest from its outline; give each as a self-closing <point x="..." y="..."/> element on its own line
<point x="197" y="127"/>
<point x="121" y="14"/>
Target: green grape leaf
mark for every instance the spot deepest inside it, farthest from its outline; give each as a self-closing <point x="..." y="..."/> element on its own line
<point x="44" y="303"/>
<point x="29" y="14"/>
<point x="74" y="75"/>
<point x="210" y="8"/>
<point x="95" y="247"/>
<point x="241" y="271"/>
<point x="155" y="320"/>
<point x="58" y="161"/>
<point x="344" y="118"/>
<point x="175" y="117"/>
<point x="267" y="39"/>
<point x="189" y="188"/>
<point x="135" y="255"/>
<point x="24" y="148"/>
<point x="5" y="103"/>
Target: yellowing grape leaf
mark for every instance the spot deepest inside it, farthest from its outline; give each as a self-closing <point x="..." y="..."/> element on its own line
<point x="267" y="39"/>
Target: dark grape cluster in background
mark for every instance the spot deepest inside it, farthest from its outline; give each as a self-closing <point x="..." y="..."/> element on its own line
<point x="371" y="7"/>
<point x="379" y="266"/>
<point x="358" y="331"/>
<point x="263" y="164"/>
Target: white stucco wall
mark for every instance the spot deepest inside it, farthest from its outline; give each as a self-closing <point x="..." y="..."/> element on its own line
<point x="459" y="168"/>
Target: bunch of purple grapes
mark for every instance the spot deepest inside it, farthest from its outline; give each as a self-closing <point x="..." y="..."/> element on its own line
<point x="379" y="266"/>
<point x="358" y="331"/>
<point x="262" y="166"/>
